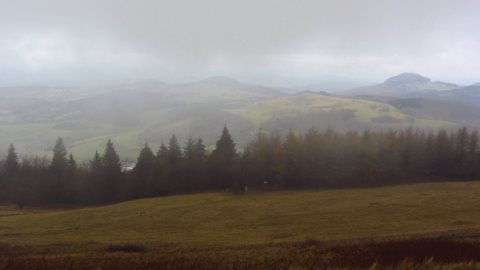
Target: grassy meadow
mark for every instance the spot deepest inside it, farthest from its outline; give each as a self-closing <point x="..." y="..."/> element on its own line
<point x="262" y="225"/>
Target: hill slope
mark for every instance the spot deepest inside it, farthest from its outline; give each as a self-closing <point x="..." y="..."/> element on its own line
<point x="467" y="94"/>
<point x="151" y="111"/>
<point x="221" y="219"/>
<point x="404" y="85"/>
<point x="302" y="111"/>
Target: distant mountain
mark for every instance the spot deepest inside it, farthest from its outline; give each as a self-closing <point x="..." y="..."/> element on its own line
<point x="404" y="85"/>
<point x="406" y="79"/>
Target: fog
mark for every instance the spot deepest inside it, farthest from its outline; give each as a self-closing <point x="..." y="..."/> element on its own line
<point x="269" y="42"/>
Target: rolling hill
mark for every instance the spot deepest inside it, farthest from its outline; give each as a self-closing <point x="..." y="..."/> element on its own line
<point x="467" y="94"/>
<point x="404" y="85"/>
<point x="151" y="111"/>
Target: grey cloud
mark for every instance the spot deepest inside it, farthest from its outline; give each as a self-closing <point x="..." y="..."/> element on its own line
<point x="189" y="39"/>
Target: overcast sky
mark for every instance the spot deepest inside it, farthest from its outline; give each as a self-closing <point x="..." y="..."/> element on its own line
<point x="252" y="40"/>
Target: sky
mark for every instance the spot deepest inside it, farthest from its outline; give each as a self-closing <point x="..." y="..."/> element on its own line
<point x="299" y="41"/>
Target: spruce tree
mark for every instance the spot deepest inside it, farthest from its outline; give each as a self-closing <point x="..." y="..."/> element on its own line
<point x="194" y="165"/>
<point x="95" y="180"/>
<point x="145" y="161"/>
<point x="96" y="164"/>
<point x="71" y="188"/>
<point x="72" y="165"/>
<point x="112" y="174"/>
<point x="174" y="150"/>
<point x="157" y="184"/>
<point x="225" y="147"/>
<point x="174" y="169"/>
<point x="11" y="163"/>
<point x="59" y="163"/>
<point x="57" y="186"/>
<point x="222" y="163"/>
<point x="111" y="160"/>
<point x="11" y="168"/>
<point x="142" y="171"/>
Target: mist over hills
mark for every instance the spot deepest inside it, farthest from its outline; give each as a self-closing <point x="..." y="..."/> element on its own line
<point x="151" y="111"/>
<point x="404" y="85"/>
<point x="409" y="85"/>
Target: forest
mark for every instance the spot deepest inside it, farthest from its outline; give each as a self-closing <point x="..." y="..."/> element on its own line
<point x="313" y="160"/>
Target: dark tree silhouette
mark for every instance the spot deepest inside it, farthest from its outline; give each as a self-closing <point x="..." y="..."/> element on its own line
<point x="311" y="160"/>
<point x="222" y="163"/>
<point x="142" y="172"/>
<point x="111" y="174"/>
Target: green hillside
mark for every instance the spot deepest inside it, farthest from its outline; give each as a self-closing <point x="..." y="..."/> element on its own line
<point x="335" y="111"/>
<point x="150" y="111"/>
<point x="227" y="220"/>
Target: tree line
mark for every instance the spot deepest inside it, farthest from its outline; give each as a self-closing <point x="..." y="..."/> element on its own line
<point x="296" y="161"/>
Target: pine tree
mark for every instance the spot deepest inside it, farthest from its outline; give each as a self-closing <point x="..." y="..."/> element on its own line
<point x="11" y="163"/>
<point x="174" y="150"/>
<point x="225" y="147"/>
<point x="143" y="171"/>
<point x="11" y="167"/>
<point x="222" y="163"/>
<point x="71" y="186"/>
<point x="472" y="161"/>
<point x="96" y="164"/>
<point x="461" y="142"/>
<point x="72" y="165"/>
<point x="112" y="173"/>
<point x="57" y="186"/>
<point x="194" y="165"/>
<point x="174" y="166"/>
<point x="111" y="160"/>
<point x="157" y="184"/>
<point x="94" y="180"/>
<point x="59" y="163"/>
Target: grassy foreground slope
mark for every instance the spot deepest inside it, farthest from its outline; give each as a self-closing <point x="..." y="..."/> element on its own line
<point x="227" y="220"/>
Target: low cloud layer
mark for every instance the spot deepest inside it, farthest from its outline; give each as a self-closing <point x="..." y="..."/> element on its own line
<point x="187" y="40"/>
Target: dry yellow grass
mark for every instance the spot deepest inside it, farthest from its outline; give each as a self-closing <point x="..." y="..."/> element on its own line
<point x="222" y="219"/>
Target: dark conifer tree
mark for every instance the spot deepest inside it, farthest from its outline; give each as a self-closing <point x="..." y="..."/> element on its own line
<point x="174" y="150"/>
<point x="112" y="174"/>
<point x="194" y="176"/>
<point x="142" y="172"/>
<point x="472" y="155"/>
<point x="158" y="184"/>
<point x="11" y="163"/>
<point x="174" y="159"/>
<point x="57" y="186"/>
<point x="72" y="165"/>
<point x="292" y="172"/>
<point x="92" y="193"/>
<point x="222" y="162"/>
<point x="59" y="163"/>
<point x="10" y="173"/>
<point x="225" y="147"/>
<point x="72" y="187"/>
